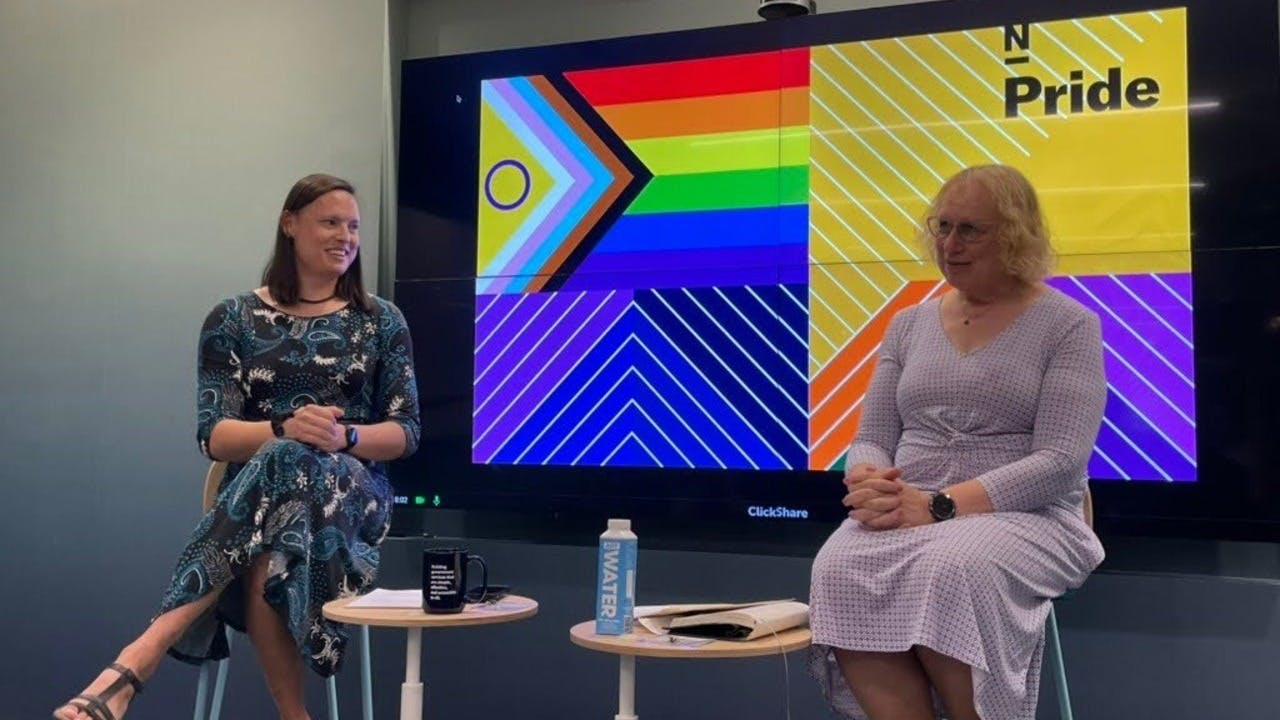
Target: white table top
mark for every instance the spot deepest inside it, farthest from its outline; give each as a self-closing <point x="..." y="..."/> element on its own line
<point x="643" y="643"/>
<point x="509" y="608"/>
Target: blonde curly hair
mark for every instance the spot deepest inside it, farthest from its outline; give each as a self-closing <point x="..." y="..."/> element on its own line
<point x="1025" y="249"/>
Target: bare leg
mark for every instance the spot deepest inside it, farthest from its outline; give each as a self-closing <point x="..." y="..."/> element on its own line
<point x="143" y="656"/>
<point x="277" y="652"/>
<point x="888" y="686"/>
<point x="953" y="680"/>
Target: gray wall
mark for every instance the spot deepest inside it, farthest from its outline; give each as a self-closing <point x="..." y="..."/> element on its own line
<point x="145" y="148"/>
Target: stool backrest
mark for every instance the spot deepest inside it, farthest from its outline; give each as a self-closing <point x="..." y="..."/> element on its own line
<point x="212" y="480"/>
<point x="1088" y="507"/>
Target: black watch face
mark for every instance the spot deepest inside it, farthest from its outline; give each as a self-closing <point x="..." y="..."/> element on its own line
<point x="942" y="507"/>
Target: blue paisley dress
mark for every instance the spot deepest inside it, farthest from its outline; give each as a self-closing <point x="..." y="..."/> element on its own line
<point x="320" y="516"/>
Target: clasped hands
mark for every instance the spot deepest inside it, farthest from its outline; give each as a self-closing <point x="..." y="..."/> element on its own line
<point x="317" y="426"/>
<point x="878" y="498"/>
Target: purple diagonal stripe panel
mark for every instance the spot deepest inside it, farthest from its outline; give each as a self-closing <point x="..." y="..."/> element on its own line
<point x="1127" y="383"/>
<point x="1180" y="283"/>
<point x="482" y="305"/>
<point x="1121" y="328"/>
<point x="1155" y="451"/>
<point x="530" y="387"/>
<point x="1144" y="321"/>
<point x="1171" y="385"/>
<point x="532" y="344"/>
<point x="1162" y="294"/>
<point x="489" y="346"/>
<point x="1131" y="347"/>
<point x="1100" y="469"/>
<point x="1151" y="403"/>
<point x="1132" y="465"/>
<point x="497" y="307"/>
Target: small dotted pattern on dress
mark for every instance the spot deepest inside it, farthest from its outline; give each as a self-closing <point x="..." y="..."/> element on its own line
<point x="1021" y="414"/>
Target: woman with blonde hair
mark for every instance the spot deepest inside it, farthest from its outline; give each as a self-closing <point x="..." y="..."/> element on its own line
<point x="966" y="480"/>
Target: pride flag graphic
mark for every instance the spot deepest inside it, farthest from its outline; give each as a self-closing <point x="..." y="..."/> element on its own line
<point x="692" y="263"/>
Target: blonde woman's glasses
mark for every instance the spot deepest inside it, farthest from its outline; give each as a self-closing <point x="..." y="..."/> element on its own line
<point x="966" y="232"/>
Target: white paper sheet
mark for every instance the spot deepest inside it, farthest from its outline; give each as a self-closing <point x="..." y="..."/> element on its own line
<point x="672" y="641"/>
<point x="387" y="598"/>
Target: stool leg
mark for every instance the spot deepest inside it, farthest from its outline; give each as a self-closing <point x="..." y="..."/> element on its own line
<point x="202" y="691"/>
<point x="220" y="684"/>
<point x="411" y="691"/>
<point x="366" y="674"/>
<point x="626" y="688"/>
<point x="331" y="684"/>
<point x="1054" y="646"/>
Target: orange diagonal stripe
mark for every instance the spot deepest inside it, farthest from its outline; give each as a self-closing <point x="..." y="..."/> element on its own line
<point x="837" y="386"/>
<point x="829" y="450"/>
<point x="863" y="343"/>
<point x="827" y="413"/>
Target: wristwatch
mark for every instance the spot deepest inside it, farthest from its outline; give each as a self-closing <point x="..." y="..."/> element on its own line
<point x="942" y="507"/>
<point x="277" y="423"/>
<point x="353" y="437"/>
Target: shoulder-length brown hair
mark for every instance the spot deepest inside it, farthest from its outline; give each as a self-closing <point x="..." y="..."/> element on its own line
<point x="281" y="274"/>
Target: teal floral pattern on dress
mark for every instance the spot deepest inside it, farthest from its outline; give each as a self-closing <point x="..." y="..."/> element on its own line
<point x="319" y="516"/>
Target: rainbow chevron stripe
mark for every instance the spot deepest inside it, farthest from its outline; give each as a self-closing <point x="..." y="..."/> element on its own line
<point x="727" y="141"/>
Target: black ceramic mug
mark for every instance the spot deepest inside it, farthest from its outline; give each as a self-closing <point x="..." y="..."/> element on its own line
<point x="444" y="578"/>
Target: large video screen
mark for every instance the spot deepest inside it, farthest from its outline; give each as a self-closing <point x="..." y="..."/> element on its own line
<point x="661" y="267"/>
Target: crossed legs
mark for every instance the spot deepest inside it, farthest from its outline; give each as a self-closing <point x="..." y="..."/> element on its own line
<point x="895" y="686"/>
<point x="278" y="654"/>
<point x="142" y="656"/>
<point x="276" y="650"/>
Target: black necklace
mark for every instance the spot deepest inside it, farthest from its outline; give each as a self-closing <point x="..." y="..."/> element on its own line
<point x="317" y="302"/>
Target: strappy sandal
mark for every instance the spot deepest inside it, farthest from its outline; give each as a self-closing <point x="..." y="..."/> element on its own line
<point x="96" y="705"/>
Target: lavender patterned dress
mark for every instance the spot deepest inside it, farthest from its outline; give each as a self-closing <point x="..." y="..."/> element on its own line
<point x="1021" y="415"/>
<point x="319" y="516"/>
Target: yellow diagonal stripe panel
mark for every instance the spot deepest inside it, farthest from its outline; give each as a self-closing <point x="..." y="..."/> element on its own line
<point x="1092" y="110"/>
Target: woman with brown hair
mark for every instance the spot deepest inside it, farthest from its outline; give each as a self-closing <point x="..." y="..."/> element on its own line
<point x="306" y="387"/>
